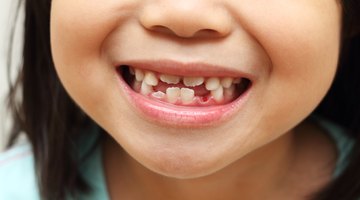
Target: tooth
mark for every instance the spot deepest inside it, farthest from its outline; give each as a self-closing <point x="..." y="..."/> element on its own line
<point x="226" y="82"/>
<point x="169" y="79"/>
<point x="158" y="95"/>
<point x="136" y="86"/>
<point x="193" y="81"/>
<point x="229" y="92"/>
<point x="146" y="89"/>
<point x="187" y="95"/>
<point x="212" y="83"/>
<point x="139" y="75"/>
<point x="172" y="94"/>
<point x="218" y="94"/>
<point x="151" y="79"/>
<point x="237" y="80"/>
<point x="131" y="70"/>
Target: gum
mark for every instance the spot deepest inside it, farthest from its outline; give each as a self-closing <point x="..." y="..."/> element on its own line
<point x="198" y="101"/>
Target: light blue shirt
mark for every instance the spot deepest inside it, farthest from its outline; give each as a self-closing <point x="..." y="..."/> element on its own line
<point x="17" y="177"/>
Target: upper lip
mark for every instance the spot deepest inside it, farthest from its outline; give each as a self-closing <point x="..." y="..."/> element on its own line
<point x="185" y="68"/>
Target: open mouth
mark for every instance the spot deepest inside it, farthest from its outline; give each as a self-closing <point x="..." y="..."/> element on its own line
<point x="186" y="91"/>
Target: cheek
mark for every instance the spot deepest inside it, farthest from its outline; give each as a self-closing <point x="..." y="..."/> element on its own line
<point x="78" y="30"/>
<point x="304" y="65"/>
<point x="302" y="39"/>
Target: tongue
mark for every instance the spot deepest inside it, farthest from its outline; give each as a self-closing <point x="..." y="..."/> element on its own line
<point x="199" y="90"/>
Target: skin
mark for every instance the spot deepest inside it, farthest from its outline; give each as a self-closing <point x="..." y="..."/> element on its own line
<point x="264" y="152"/>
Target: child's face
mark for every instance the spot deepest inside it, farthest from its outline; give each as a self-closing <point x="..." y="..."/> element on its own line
<point x="287" y="49"/>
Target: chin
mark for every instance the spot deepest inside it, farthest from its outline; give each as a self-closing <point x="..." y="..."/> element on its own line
<point x="181" y="164"/>
<point x="182" y="170"/>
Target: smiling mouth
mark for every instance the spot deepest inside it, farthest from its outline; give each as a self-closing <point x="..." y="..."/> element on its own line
<point x="184" y="95"/>
<point x="189" y="91"/>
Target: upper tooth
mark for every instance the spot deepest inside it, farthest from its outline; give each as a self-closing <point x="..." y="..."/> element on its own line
<point x="193" y="81"/>
<point x="172" y="94"/>
<point x="131" y="70"/>
<point x="169" y="79"/>
<point x="237" y="80"/>
<point x="218" y="94"/>
<point x="145" y="88"/>
<point x="212" y="83"/>
<point x="226" y="82"/>
<point x="187" y="95"/>
<point x="139" y="75"/>
<point x="151" y="79"/>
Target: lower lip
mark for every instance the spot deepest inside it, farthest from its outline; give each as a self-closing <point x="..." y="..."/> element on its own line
<point x="182" y="116"/>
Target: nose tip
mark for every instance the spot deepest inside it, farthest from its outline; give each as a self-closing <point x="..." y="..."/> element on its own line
<point x="186" y="20"/>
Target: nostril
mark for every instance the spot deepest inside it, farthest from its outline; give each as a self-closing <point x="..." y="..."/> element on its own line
<point x="161" y="29"/>
<point x="206" y="33"/>
<point x="203" y="33"/>
<point x="179" y="31"/>
<point x="186" y="19"/>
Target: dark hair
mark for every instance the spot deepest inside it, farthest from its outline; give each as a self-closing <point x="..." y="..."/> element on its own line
<point x="53" y="122"/>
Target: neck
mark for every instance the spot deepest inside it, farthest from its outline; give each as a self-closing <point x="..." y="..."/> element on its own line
<point x="258" y="175"/>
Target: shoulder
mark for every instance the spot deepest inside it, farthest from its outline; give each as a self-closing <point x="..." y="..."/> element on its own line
<point x="323" y="155"/>
<point x="343" y="142"/>
<point x="17" y="174"/>
<point x="314" y="161"/>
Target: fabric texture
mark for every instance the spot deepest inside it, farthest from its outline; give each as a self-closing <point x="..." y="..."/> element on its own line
<point x="17" y="174"/>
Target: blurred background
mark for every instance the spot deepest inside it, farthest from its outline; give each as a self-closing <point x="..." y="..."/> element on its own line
<point x="8" y="10"/>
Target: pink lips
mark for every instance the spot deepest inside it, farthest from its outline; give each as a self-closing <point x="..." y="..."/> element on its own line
<point x="180" y="116"/>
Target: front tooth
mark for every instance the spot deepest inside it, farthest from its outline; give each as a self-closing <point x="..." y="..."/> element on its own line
<point x="169" y="79"/>
<point x="172" y="94"/>
<point x="187" y="95"/>
<point x="146" y="89"/>
<point x="212" y="83"/>
<point x="218" y="94"/>
<point x="151" y="79"/>
<point x="193" y="81"/>
<point x="139" y="75"/>
<point x="226" y="82"/>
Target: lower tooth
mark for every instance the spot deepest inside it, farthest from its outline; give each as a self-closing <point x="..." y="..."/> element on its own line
<point x="218" y="94"/>
<point x="146" y="89"/>
<point x="136" y="86"/>
<point x="158" y="95"/>
<point x="187" y="95"/>
<point x="229" y="92"/>
<point x="172" y="94"/>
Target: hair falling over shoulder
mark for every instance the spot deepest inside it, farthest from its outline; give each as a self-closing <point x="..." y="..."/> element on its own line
<point x="52" y="121"/>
